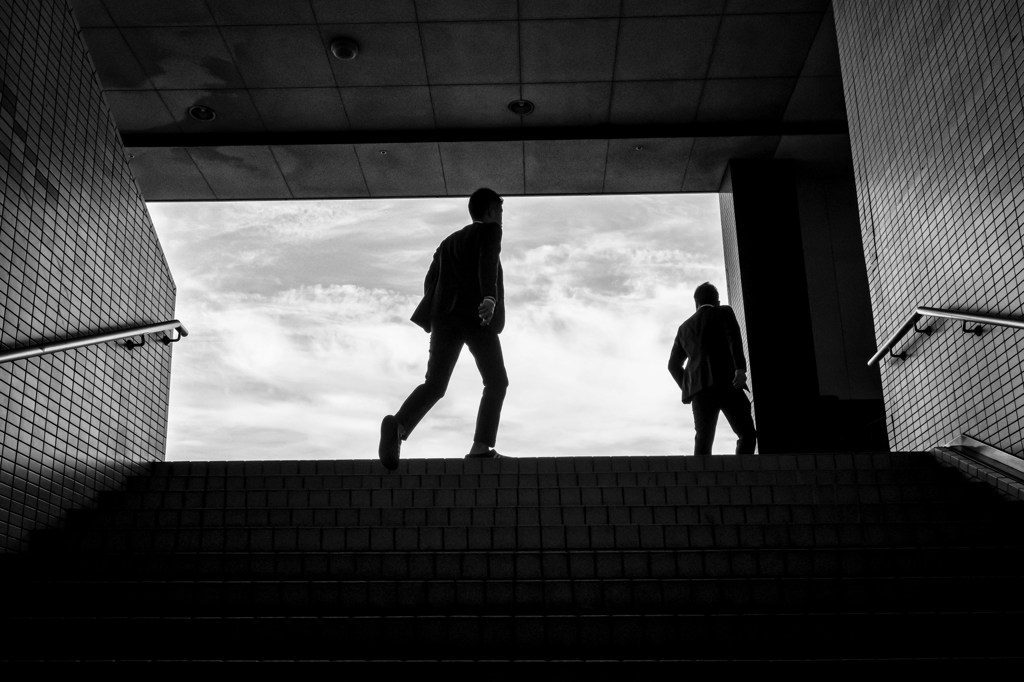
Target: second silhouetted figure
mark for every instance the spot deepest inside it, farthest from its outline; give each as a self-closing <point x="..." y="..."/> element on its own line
<point x="715" y="371"/>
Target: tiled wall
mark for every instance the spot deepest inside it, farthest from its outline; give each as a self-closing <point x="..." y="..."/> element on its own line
<point x="78" y="255"/>
<point x="935" y="97"/>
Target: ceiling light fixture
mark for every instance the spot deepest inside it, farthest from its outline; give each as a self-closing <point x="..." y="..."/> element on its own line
<point x="201" y="113"/>
<point x="520" y="106"/>
<point x="344" y="48"/>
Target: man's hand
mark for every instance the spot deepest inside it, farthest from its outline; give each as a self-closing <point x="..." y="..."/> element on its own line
<point x="486" y="311"/>
<point x="740" y="380"/>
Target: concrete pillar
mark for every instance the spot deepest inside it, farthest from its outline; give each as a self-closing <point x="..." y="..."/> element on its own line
<point x="797" y="279"/>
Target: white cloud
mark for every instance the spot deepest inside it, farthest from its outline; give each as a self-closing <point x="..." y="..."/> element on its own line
<point x="300" y="340"/>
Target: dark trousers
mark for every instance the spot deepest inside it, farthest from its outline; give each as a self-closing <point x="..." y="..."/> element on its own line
<point x="446" y="342"/>
<point x="734" y="405"/>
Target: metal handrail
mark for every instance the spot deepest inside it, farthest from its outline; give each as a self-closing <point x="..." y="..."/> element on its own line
<point x="56" y="347"/>
<point x="922" y="311"/>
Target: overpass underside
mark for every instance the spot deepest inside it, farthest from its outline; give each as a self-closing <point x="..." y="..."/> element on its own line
<point x="865" y="155"/>
<point x="533" y="99"/>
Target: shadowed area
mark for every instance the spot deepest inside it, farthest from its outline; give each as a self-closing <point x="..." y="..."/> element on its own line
<point x="627" y="96"/>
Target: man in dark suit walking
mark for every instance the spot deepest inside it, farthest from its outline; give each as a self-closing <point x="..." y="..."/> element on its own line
<point x="463" y="305"/>
<point x="715" y="371"/>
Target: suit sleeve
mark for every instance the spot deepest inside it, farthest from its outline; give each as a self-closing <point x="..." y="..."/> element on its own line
<point x="675" y="362"/>
<point x="733" y="338"/>
<point x="487" y="266"/>
<point x="427" y="305"/>
<point x="433" y="272"/>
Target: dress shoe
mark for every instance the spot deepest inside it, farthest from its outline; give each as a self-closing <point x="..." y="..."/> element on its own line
<point x="490" y="454"/>
<point x="390" y="443"/>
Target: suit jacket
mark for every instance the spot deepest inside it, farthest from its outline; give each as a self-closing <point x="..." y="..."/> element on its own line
<point x="710" y="344"/>
<point x="465" y="268"/>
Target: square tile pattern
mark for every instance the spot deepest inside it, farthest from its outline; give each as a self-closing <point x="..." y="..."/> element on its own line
<point x="831" y="557"/>
<point x="78" y="255"/>
<point x="936" y="108"/>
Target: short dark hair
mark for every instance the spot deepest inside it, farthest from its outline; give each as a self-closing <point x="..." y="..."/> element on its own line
<point x="481" y="201"/>
<point x="706" y="293"/>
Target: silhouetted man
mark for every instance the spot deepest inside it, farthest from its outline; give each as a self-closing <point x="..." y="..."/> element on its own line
<point x="715" y="371"/>
<point x="463" y="304"/>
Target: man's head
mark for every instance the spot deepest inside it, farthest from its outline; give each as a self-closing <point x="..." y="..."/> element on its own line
<point x="705" y="294"/>
<point x="485" y="204"/>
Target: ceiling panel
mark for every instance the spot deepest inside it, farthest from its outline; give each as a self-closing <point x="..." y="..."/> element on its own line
<point x="159" y="12"/>
<point x="471" y="52"/>
<point x="748" y="99"/>
<point x="647" y="102"/>
<point x="138" y="111"/>
<point x="649" y="8"/>
<point x="234" y="109"/>
<point x="471" y="165"/>
<point x="817" y="99"/>
<point x="563" y="51"/>
<point x="241" y="172"/>
<point x="363" y="11"/>
<point x="401" y="170"/>
<point x="676" y="48"/>
<point x="647" y="165"/>
<point x="563" y="9"/>
<point x="466" y="10"/>
<point x="184" y="57"/>
<point x="267" y="12"/>
<point x="572" y="104"/>
<point x="91" y="13"/>
<point x="305" y="109"/>
<point x="116" y="66"/>
<point x="774" y="45"/>
<point x="823" y="57"/>
<point x="152" y="167"/>
<point x="389" y="54"/>
<point x="279" y="56"/>
<point x="775" y="6"/>
<point x="314" y="171"/>
<point x="474" y="106"/>
<point x="388" y="108"/>
<point x="565" y="166"/>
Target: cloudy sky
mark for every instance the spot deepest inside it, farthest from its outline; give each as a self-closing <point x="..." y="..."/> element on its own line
<point x="300" y="339"/>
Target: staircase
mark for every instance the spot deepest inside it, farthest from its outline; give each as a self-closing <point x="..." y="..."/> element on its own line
<point x="730" y="558"/>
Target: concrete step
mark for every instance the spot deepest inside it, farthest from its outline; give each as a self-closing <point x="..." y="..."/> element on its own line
<point x="581" y="637"/>
<point x="550" y="596"/>
<point x="866" y="461"/>
<point x="807" y="557"/>
<point x="1004" y="558"/>
<point x="594" y="515"/>
<point x="525" y="496"/>
<point x="554" y="537"/>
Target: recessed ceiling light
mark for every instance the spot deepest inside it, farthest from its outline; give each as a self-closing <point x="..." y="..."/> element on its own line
<point x="520" y="106"/>
<point x="201" y="113"/>
<point x="344" y="48"/>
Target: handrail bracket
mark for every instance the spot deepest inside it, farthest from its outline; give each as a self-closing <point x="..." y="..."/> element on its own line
<point x="131" y="343"/>
<point x="977" y="330"/>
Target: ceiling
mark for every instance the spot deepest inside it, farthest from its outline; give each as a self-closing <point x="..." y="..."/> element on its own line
<point x="630" y="96"/>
